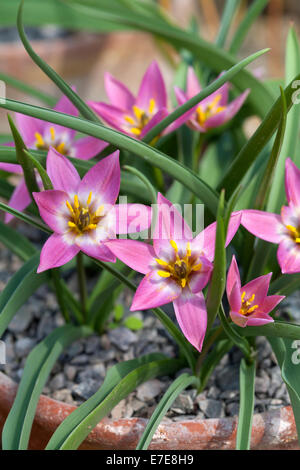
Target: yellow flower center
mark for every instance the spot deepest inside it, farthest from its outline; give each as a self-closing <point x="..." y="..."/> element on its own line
<point x="180" y="269"/>
<point x="83" y="218"/>
<point x="247" y="305"/>
<point x="213" y="108"/>
<point x="294" y="233"/>
<point x="54" y="142"/>
<point x="141" y="118"/>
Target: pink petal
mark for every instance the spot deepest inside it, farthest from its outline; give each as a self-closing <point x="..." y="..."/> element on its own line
<point x="234" y="297"/>
<point x="222" y="92"/>
<point x="132" y="218"/>
<point x="19" y="200"/>
<point x="259" y="287"/>
<point x="53" y="209"/>
<point x="199" y="279"/>
<point x="271" y="302"/>
<point x="91" y="246"/>
<point x="170" y="224"/>
<point x="288" y="255"/>
<point x="58" y="250"/>
<point x="289" y="216"/>
<point x="180" y="96"/>
<point x="191" y="315"/>
<point x="238" y="319"/>
<point x="28" y="126"/>
<point x="233" y="276"/>
<point x="192" y="83"/>
<point x="103" y="179"/>
<point x="11" y="168"/>
<point x="62" y="173"/>
<point x="152" y="87"/>
<point x="114" y="116"/>
<point x="118" y="93"/>
<point x="154" y="291"/>
<point x="64" y="105"/>
<point x="207" y="238"/>
<point x="137" y="255"/>
<point x="259" y="321"/>
<point x="263" y="225"/>
<point x="292" y="182"/>
<point x="88" y="147"/>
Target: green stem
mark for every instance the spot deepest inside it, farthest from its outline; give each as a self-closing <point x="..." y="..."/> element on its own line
<point x="59" y="294"/>
<point x="197" y="151"/>
<point x="206" y="348"/>
<point x="82" y="283"/>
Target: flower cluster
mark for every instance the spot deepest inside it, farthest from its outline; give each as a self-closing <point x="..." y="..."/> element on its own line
<point x="84" y="216"/>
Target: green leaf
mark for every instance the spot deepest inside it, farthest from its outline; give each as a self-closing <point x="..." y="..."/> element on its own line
<point x="16" y="242"/>
<point x="28" y="89"/>
<point x="119" y="312"/>
<point x="288" y="358"/>
<point x="19" y="288"/>
<point x="26" y="218"/>
<point x="180" y="384"/>
<point x="121" y="380"/>
<point x="24" y="161"/>
<point x="64" y="87"/>
<point x="247" y="382"/>
<point x="277" y="193"/>
<point x="230" y="9"/>
<point x="217" y="285"/>
<point x="251" y="14"/>
<point x="252" y="149"/>
<point x="42" y="172"/>
<point x="286" y="284"/>
<point x="234" y="335"/>
<point x="133" y="323"/>
<point x="16" y="431"/>
<point x="277" y="329"/>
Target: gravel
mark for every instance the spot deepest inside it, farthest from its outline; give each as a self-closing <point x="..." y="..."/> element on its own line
<point x="81" y="369"/>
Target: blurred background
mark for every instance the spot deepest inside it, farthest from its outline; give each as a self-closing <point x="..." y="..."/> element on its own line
<point x="81" y="57"/>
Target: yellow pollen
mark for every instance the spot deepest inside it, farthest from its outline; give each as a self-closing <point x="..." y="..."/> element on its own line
<point x="197" y="267"/>
<point x="243" y="296"/>
<point x="163" y="273"/>
<point x="292" y="229"/>
<point x="99" y="211"/>
<point x="151" y="106"/>
<point x="76" y="202"/>
<point x="138" y="112"/>
<point x="71" y="224"/>
<point x="61" y="147"/>
<point x="174" y="245"/>
<point x="52" y="132"/>
<point x="252" y="309"/>
<point x="161" y="262"/>
<point x="183" y="282"/>
<point x="188" y="250"/>
<point x="91" y="227"/>
<point x="70" y="207"/>
<point x="251" y="298"/>
<point x="89" y="198"/>
<point x="130" y="120"/>
<point x="39" y="139"/>
<point x="136" y="131"/>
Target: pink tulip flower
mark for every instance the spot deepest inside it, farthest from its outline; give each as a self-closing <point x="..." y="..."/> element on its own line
<point x="41" y="135"/>
<point x="213" y="111"/>
<point x="135" y="116"/>
<point x="283" y="229"/>
<point x="250" y="305"/>
<point x="177" y="268"/>
<point x="82" y="213"/>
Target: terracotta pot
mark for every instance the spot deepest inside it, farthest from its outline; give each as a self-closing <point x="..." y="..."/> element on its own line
<point x="272" y="430"/>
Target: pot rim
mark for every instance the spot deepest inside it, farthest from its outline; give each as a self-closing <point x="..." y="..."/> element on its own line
<point x="274" y="429"/>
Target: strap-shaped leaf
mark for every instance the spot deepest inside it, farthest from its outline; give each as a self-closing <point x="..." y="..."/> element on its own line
<point x="230" y="9"/>
<point x="121" y="380"/>
<point x="287" y="353"/>
<point x="20" y="287"/>
<point x="16" y="431"/>
<point x="247" y="382"/>
<point x="180" y="384"/>
<point x="16" y="242"/>
<point x="249" y="153"/>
